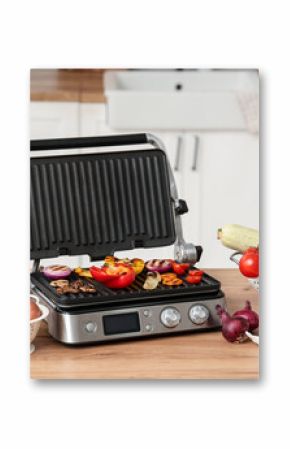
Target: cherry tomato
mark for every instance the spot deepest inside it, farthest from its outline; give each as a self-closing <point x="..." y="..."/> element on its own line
<point x="193" y="279"/>
<point x="249" y="263"/>
<point x="180" y="268"/>
<point x="195" y="273"/>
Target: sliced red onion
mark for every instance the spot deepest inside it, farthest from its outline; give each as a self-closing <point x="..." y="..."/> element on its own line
<point x="54" y="272"/>
<point x="160" y="265"/>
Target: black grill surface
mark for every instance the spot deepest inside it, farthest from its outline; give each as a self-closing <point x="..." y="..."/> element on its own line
<point x="130" y="295"/>
<point x="99" y="203"/>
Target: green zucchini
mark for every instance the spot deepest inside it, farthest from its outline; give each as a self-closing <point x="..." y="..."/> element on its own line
<point x="238" y="237"/>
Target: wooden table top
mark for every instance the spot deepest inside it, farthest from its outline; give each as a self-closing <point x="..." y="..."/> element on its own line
<point x="188" y="356"/>
<point x="81" y="85"/>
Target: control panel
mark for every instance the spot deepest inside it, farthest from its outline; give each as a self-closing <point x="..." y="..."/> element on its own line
<point x="142" y="321"/>
<point x="151" y="320"/>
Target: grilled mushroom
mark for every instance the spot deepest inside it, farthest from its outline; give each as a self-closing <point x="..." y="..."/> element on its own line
<point x="152" y="280"/>
<point x="75" y="287"/>
<point x="88" y="289"/>
<point x="59" y="283"/>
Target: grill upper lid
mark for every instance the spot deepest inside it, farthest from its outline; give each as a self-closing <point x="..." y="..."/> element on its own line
<point x="100" y="203"/>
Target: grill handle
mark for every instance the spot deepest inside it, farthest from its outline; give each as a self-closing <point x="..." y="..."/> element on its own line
<point x="88" y="142"/>
<point x="183" y="251"/>
<point x="195" y="153"/>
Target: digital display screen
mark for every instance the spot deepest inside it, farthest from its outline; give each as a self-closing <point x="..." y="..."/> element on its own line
<point x="121" y="324"/>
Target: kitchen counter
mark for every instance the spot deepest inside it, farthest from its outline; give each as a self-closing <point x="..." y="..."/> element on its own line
<point x="188" y="356"/>
<point x="81" y="85"/>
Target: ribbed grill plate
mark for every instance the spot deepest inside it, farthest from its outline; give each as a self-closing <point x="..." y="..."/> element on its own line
<point x="96" y="204"/>
<point x="132" y="295"/>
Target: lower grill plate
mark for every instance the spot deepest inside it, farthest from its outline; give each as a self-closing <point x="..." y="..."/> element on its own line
<point x="105" y="297"/>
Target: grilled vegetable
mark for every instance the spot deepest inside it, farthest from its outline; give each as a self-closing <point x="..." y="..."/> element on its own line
<point x="180" y="268"/>
<point x="238" y="237"/>
<point x="111" y="260"/>
<point x="172" y="281"/>
<point x="83" y="272"/>
<point x="152" y="280"/>
<point x="59" y="283"/>
<point x="195" y="273"/>
<point x="75" y="287"/>
<point x="160" y="265"/>
<point x="82" y="286"/>
<point x="66" y="290"/>
<point x="87" y="288"/>
<point x="193" y="279"/>
<point x="194" y="276"/>
<point x="56" y="272"/>
<point x="117" y="276"/>
<point x="125" y="278"/>
<point x="104" y="274"/>
<point x="136" y="264"/>
<point x="168" y="276"/>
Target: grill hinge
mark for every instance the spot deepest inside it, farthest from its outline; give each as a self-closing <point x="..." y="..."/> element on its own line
<point x="35" y="265"/>
<point x="181" y="207"/>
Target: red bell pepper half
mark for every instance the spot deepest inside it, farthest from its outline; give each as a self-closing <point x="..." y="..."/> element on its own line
<point x="119" y="276"/>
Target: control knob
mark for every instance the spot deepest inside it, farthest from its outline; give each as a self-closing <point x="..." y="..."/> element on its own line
<point x="198" y="314"/>
<point x="170" y="317"/>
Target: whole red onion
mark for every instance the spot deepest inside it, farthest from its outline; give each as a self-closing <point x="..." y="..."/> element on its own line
<point x="248" y="314"/>
<point x="233" y="328"/>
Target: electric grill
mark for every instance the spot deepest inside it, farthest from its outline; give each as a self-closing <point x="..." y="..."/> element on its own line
<point x="115" y="193"/>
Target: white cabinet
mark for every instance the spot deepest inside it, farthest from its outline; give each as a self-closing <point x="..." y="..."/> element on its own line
<point x="54" y="119"/>
<point x="221" y="187"/>
<point x="217" y="173"/>
<point x="190" y="186"/>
